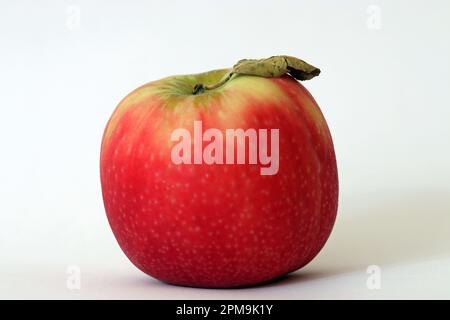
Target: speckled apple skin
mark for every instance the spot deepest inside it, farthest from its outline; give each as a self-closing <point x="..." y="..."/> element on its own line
<point x="218" y="226"/>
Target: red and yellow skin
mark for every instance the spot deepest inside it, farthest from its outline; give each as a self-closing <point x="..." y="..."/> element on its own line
<point x="220" y="225"/>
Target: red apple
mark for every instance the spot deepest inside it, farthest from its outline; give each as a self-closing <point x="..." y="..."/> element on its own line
<point x="220" y="224"/>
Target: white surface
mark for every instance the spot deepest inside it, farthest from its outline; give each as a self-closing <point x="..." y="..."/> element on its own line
<point x="383" y="89"/>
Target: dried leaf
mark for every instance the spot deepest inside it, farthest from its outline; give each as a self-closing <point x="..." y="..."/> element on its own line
<point x="276" y="66"/>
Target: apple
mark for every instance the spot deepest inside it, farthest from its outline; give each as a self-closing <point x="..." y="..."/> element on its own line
<point x="183" y="180"/>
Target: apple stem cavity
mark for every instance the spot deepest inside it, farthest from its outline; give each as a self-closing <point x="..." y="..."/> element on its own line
<point x="275" y="66"/>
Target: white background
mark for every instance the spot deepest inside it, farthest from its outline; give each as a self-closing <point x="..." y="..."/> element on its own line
<point x="384" y="90"/>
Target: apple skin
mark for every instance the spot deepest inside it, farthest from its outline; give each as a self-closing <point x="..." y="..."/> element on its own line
<point x="218" y="226"/>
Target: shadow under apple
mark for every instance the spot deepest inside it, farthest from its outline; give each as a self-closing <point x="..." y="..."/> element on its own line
<point x="382" y="231"/>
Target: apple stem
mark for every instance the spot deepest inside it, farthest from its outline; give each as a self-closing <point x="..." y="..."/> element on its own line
<point x="200" y="87"/>
<point x="275" y="66"/>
